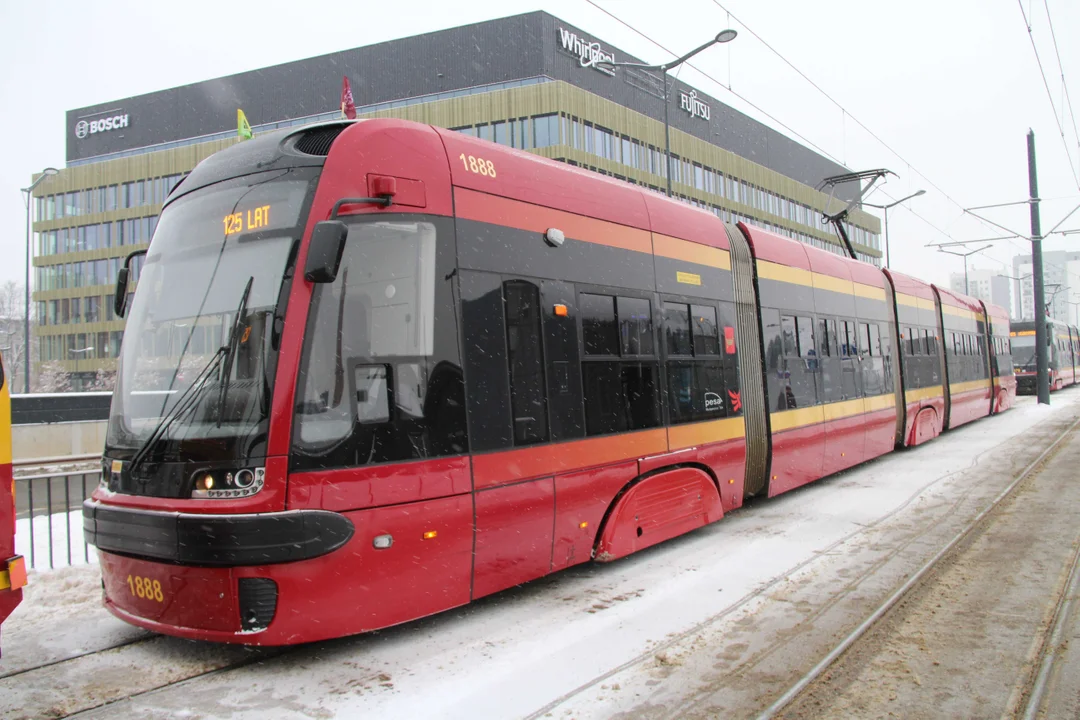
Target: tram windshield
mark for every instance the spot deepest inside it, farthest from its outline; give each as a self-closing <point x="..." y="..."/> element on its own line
<point x="200" y="342"/>
<point x="1023" y="351"/>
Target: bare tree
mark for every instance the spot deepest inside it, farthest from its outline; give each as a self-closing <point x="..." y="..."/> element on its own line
<point x="12" y="305"/>
<point x="104" y="380"/>
<point x="51" y="377"/>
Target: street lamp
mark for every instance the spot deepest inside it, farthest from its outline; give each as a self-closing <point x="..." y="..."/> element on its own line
<point x="45" y="175"/>
<point x="1020" y="292"/>
<point x="83" y="352"/>
<point x="723" y="36"/>
<point x="886" y="209"/>
<point x="965" y="256"/>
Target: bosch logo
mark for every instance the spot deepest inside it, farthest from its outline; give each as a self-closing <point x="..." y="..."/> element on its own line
<point x="84" y="128"/>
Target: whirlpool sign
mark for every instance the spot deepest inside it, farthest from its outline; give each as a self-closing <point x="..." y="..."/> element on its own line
<point x="589" y="54"/>
<point x="93" y="127"/>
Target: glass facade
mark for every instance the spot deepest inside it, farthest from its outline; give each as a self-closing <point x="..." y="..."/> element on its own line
<point x="322" y="117"/>
<point x="83" y="235"/>
<point x="733" y="199"/>
<point x="76" y="266"/>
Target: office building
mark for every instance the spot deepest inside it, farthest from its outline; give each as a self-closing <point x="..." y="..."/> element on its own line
<point x="530" y="81"/>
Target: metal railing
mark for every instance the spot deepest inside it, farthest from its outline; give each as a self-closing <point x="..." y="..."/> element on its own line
<point x="49" y="503"/>
<point x="55" y="460"/>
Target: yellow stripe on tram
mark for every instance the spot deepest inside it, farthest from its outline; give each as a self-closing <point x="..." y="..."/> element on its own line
<point x="790" y="419"/>
<point x="925" y="393"/>
<point x="957" y="388"/>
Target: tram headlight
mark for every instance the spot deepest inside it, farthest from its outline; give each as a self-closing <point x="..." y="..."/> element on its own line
<point x="224" y="484"/>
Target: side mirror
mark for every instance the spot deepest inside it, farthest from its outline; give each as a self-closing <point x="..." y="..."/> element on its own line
<point x="325" y="251"/>
<point x="120" y="300"/>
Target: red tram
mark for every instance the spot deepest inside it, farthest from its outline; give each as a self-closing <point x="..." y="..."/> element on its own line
<point x="1063" y="355"/>
<point x="376" y="370"/>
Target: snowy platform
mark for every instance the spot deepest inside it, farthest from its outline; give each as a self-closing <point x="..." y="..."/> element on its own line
<point x="592" y="641"/>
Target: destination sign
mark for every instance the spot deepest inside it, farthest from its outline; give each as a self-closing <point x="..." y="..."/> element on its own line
<point x="247" y="221"/>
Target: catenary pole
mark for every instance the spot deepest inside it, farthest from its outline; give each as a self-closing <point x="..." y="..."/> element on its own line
<point x="1041" y="365"/>
<point x="26" y="289"/>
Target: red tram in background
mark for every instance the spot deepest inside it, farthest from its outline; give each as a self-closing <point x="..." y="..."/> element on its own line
<point x="1063" y="355"/>
<point x="12" y="566"/>
<point x="375" y="370"/>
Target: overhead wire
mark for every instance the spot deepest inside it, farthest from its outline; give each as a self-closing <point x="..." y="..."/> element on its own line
<point x="1064" y="85"/>
<point x="847" y="113"/>
<point x="1049" y="94"/>
<point x="764" y="112"/>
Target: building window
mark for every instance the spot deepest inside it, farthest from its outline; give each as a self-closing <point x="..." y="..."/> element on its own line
<point x="545" y="131"/>
<point x="501" y="132"/>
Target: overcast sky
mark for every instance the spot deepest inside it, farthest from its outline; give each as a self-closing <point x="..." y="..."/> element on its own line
<point x="952" y="87"/>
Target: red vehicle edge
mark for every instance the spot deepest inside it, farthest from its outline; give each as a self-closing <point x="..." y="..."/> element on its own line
<point x="12" y="566"/>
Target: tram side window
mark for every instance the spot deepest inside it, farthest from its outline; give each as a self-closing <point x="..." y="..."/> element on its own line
<point x="787" y="326"/>
<point x="849" y="354"/>
<point x="912" y="343"/>
<point x="825" y="338"/>
<point x="849" y="344"/>
<point x="873" y="366"/>
<point x="774" y="357"/>
<point x="805" y="328"/>
<point x="705" y="330"/>
<point x="525" y="357"/>
<point x="797" y="370"/>
<point x="380" y="379"/>
<point x="619" y="371"/>
<point x="694" y="369"/>
<point x="882" y="347"/>
<point x="928" y="342"/>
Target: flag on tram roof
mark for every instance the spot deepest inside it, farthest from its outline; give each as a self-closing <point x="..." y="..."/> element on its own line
<point x="243" y="128"/>
<point x="348" y="107"/>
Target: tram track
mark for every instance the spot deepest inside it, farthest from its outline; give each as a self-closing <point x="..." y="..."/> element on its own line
<point x="206" y="671"/>
<point x="1028" y="691"/>
<point x="96" y="679"/>
<point x="96" y="702"/>
<point x="692" y="703"/>
<point x="1049" y="645"/>
<point x="4" y="675"/>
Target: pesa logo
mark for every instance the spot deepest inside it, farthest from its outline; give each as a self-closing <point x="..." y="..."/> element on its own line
<point x="84" y="128"/>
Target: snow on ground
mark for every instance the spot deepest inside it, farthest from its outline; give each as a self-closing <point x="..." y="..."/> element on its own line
<point x="514" y="653"/>
<point x="61" y="616"/>
<point x="68" y="545"/>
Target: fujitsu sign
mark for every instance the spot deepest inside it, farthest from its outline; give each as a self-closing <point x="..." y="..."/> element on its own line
<point x="588" y="53"/>
<point x="690" y="103"/>
<point x="84" y="128"/>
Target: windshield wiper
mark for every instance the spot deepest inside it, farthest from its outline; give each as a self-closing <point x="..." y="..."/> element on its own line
<point x="230" y="349"/>
<point x="184" y="403"/>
